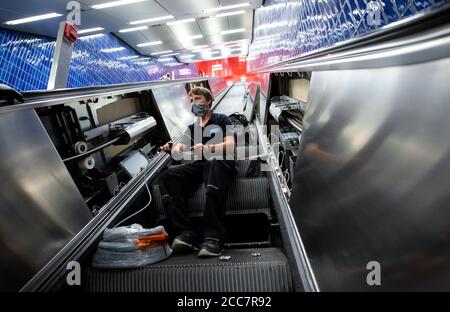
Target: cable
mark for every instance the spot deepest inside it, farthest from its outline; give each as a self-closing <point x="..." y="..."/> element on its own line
<point x="140" y="210"/>
<point x="286" y="172"/>
<point x="282" y="159"/>
<point x="277" y="141"/>
<point x="118" y="188"/>
<point x="271" y="134"/>
<point x="92" y="150"/>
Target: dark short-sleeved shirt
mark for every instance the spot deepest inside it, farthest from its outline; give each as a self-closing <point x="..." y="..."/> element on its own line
<point x="215" y="129"/>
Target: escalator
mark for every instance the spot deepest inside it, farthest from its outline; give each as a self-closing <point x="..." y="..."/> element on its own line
<point x="253" y="258"/>
<point x="262" y="250"/>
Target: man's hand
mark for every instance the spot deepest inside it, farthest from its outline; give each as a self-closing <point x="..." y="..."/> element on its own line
<point x="166" y="147"/>
<point x="180" y="148"/>
<point x="197" y="149"/>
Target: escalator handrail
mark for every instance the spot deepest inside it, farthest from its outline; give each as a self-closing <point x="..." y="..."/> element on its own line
<point x="296" y="247"/>
<point x="55" y="269"/>
<point x="221" y="96"/>
<point x="36" y="99"/>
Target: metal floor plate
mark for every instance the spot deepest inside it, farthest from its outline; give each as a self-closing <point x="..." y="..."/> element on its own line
<point x="255" y="270"/>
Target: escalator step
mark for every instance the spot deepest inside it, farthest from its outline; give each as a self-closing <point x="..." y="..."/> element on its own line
<point x="248" y="168"/>
<point x="268" y="272"/>
<point x="249" y="195"/>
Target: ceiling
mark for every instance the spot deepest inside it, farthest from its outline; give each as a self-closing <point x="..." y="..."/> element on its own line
<point x="174" y="38"/>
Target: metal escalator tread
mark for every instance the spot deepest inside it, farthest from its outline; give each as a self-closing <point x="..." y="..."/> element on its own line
<point x="249" y="169"/>
<point x="243" y="272"/>
<point x="248" y="195"/>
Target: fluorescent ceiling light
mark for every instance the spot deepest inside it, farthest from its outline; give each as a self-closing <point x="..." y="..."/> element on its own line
<point x="187" y="56"/>
<point x="235" y="42"/>
<point x="89" y="30"/>
<point x="242" y="41"/>
<point x="32" y="19"/>
<point x="227" y="7"/>
<point x="165" y="59"/>
<point x="239" y="49"/>
<point x="151" y="43"/>
<point x="228" y="44"/>
<point x="237" y="45"/>
<point x="114" y="3"/>
<point x="162" y="52"/>
<point x="232" y="31"/>
<point x="230" y="13"/>
<point x="171" y="54"/>
<point x="133" y="29"/>
<point x="111" y="50"/>
<point x="154" y="19"/>
<point x="200" y="50"/>
<point x="197" y="47"/>
<point x="188" y="20"/>
<point x="195" y="37"/>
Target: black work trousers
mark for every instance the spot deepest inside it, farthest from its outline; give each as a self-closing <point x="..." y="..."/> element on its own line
<point x="179" y="182"/>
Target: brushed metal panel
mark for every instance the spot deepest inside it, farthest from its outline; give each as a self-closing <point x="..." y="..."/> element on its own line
<point x="40" y="206"/>
<point x="241" y="21"/>
<point x="173" y="103"/>
<point x="372" y="176"/>
<point x="187" y="8"/>
<point x="119" y="17"/>
<point x="213" y="25"/>
<point x="183" y="32"/>
<point x="154" y="33"/>
<point x="254" y="3"/>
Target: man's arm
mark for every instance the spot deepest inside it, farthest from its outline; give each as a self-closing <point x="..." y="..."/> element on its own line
<point x="228" y="140"/>
<point x="226" y="145"/>
<point x="180" y="147"/>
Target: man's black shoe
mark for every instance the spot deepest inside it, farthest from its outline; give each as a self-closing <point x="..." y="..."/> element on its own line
<point x="212" y="247"/>
<point x="184" y="243"/>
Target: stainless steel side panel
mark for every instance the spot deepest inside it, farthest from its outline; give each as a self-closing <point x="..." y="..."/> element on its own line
<point x="372" y="180"/>
<point x="40" y="206"/>
<point x="173" y="103"/>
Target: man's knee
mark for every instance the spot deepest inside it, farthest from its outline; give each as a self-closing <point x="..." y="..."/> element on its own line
<point x="167" y="182"/>
<point x="214" y="190"/>
<point x="169" y="175"/>
<point x="222" y="166"/>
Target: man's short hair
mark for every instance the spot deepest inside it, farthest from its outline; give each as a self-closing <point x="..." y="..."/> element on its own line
<point x="202" y="91"/>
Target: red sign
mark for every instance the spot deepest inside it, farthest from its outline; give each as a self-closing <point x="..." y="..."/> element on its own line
<point x="71" y="32"/>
